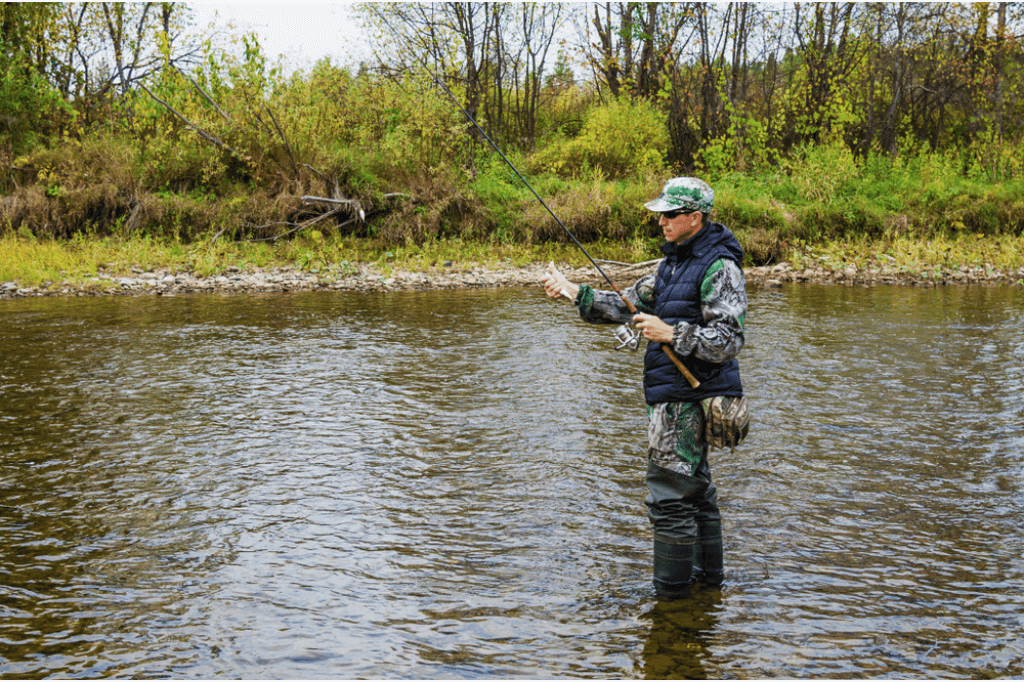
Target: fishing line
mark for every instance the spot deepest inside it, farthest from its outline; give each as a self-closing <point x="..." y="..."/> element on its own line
<point x="504" y="158"/>
<point x="628" y="337"/>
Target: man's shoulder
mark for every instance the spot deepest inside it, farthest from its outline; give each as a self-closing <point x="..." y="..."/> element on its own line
<point x="726" y="265"/>
<point x="722" y="244"/>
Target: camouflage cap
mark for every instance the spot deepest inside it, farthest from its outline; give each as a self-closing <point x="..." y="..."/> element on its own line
<point x="684" y="194"/>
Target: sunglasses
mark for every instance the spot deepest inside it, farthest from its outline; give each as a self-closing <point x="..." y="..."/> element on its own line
<point x="672" y="215"/>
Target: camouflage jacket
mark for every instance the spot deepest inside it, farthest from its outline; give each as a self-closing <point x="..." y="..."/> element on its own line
<point x="723" y="305"/>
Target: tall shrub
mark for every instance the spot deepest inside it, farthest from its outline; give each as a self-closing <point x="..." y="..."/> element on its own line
<point x="621" y="139"/>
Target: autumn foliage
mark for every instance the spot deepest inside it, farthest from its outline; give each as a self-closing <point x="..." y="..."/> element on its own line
<point x="813" y="121"/>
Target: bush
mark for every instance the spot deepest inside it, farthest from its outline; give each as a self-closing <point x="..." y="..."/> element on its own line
<point x="30" y="108"/>
<point x="594" y="209"/>
<point x="619" y="140"/>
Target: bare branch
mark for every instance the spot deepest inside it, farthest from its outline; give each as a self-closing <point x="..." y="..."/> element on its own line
<point x="202" y="133"/>
<point x="299" y="226"/>
<point x="346" y="202"/>
<point x="203" y="93"/>
<point x="280" y="132"/>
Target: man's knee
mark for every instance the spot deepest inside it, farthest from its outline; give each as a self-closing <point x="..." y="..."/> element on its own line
<point x="672" y="502"/>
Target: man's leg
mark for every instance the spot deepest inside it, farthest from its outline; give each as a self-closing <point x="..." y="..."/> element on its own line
<point x="678" y="478"/>
<point x="707" y="556"/>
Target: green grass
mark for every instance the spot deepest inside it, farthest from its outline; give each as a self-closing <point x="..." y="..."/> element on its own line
<point x="31" y="261"/>
<point x="914" y="254"/>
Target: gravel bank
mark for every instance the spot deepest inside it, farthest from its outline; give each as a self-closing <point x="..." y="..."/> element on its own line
<point x="369" y="278"/>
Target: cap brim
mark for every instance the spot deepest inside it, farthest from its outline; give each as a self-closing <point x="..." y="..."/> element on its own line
<point x="659" y="205"/>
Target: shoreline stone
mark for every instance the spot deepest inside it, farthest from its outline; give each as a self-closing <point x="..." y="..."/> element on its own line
<point x="368" y="278"/>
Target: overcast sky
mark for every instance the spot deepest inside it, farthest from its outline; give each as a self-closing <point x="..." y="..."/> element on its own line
<point x="302" y="32"/>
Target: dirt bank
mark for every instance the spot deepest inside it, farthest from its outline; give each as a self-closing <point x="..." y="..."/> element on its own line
<point x="370" y="278"/>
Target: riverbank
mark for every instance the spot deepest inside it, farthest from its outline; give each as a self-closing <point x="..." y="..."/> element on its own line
<point x="367" y="277"/>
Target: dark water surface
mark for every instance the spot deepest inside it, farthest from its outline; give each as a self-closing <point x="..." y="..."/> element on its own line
<point x="450" y="484"/>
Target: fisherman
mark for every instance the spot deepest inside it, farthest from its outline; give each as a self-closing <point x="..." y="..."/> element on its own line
<point x="695" y="304"/>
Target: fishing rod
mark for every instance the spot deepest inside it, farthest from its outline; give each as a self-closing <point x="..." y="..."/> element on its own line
<point x="625" y="334"/>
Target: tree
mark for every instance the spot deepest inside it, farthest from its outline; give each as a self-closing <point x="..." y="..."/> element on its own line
<point x="827" y="57"/>
<point x="29" y="107"/>
<point x="631" y="43"/>
<point x="495" y="54"/>
<point x="455" y="39"/>
<point x="538" y="25"/>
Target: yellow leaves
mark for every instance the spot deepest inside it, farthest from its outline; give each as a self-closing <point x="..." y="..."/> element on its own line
<point x="619" y="139"/>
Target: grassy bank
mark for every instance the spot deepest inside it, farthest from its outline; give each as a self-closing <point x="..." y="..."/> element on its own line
<point x="39" y="262"/>
<point x="822" y="207"/>
<point x="89" y="203"/>
<point x="32" y="261"/>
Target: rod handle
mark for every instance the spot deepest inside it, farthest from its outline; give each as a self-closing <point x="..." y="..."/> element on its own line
<point x="680" y="366"/>
<point x="668" y="351"/>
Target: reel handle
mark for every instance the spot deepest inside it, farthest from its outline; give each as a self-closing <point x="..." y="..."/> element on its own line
<point x="668" y="351"/>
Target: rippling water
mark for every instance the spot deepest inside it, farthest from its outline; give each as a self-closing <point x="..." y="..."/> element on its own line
<point x="450" y="484"/>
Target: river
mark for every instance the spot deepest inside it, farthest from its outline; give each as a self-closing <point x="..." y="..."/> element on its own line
<point x="450" y="484"/>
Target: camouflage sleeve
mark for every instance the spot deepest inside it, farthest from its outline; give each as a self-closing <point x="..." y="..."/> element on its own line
<point x="723" y="297"/>
<point x="605" y="307"/>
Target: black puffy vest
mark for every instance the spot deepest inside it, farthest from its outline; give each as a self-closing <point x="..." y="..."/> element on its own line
<point x="677" y="298"/>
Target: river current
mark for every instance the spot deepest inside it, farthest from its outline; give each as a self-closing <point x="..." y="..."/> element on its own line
<point x="450" y="484"/>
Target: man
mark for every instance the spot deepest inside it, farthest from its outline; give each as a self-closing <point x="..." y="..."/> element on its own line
<point x="695" y="304"/>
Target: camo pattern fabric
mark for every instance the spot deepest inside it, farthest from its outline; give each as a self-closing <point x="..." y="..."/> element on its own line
<point x="606" y="307"/>
<point x="723" y="303"/>
<point x="723" y="297"/>
<point x="684" y="194"/>
<point x="675" y="433"/>
<point x="726" y="421"/>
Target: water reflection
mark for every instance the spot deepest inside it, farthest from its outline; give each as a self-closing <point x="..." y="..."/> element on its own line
<point x="450" y="484"/>
<point x="680" y="637"/>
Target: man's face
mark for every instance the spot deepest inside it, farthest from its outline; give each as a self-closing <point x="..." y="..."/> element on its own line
<point x="680" y="228"/>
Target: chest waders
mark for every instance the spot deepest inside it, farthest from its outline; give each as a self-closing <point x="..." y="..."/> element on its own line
<point x="682" y="500"/>
<point x="688" y="529"/>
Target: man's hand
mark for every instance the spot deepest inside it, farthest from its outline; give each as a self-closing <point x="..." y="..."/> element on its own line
<point x="555" y="284"/>
<point x="652" y="328"/>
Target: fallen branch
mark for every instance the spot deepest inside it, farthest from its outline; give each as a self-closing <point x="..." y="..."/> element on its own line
<point x="349" y="202"/>
<point x="613" y="262"/>
<point x="322" y="176"/>
<point x="300" y="226"/>
<point x="630" y="266"/>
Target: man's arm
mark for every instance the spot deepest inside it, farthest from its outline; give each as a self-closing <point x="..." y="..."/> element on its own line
<point x="606" y="307"/>
<point x="597" y="306"/>
<point x="724" y="306"/>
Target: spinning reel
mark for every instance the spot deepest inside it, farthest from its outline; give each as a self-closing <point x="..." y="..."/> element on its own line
<point x="627" y="337"/>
